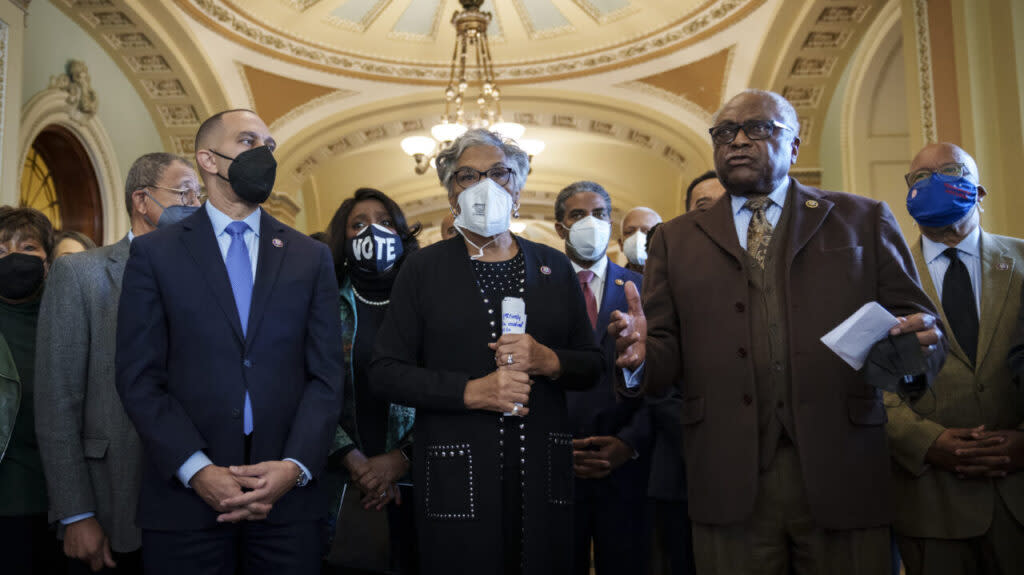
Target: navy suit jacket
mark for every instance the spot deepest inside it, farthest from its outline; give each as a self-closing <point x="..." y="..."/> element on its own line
<point x="599" y="411"/>
<point x="183" y="365"/>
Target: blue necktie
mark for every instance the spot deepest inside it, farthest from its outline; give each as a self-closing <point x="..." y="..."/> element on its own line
<point x="240" y="273"/>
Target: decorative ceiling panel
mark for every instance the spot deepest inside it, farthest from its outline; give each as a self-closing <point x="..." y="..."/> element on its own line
<point x="409" y="41"/>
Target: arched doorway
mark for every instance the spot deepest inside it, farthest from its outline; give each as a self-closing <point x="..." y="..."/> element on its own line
<point x="59" y="180"/>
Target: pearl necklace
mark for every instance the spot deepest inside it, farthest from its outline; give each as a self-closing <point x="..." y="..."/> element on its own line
<point x="369" y="302"/>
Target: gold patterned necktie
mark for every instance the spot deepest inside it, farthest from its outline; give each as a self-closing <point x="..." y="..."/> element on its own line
<point x="759" y="232"/>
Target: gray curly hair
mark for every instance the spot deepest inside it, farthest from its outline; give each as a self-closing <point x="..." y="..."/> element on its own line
<point x="518" y="160"/>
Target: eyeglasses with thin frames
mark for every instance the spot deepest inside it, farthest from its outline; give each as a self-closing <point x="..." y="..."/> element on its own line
<point x="953" y="169"/>
<point x="185" y="197"/>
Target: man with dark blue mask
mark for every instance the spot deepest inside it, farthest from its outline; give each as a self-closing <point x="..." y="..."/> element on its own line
<point x="959" y="453"/>
<point x="229" y="363"/>
<point x="94" y="497"/>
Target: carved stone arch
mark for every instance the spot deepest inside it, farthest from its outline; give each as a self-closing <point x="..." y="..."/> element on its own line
<point x="49" y="111"/>
<point x="874" y="129"/>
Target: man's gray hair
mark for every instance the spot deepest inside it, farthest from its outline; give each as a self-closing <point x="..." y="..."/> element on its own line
<point x="578" y="188"/>
<point x="517" y="159"/>
<point x="786" y="110"/>
<point x="145" y="172"/>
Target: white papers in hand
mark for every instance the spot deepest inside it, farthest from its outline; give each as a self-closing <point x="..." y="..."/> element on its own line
<point x="852" y="340"/>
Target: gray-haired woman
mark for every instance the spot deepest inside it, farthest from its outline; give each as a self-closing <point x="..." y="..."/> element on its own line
<point x="494" y="448"/>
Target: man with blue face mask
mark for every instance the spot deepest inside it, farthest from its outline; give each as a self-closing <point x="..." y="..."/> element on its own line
<point x="959" y="486"/>
<point x="611" y="438"/>
<point x="93" y="483"/>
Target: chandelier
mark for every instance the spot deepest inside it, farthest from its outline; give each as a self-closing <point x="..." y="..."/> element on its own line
<point x="470" y="42"/>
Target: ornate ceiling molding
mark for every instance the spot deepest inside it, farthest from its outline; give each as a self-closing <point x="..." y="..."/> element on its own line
<point x="820" y="38"/>
<point x="152" y="61"/>
<point x="300" y="169"/>
<point x="224" y="18"/>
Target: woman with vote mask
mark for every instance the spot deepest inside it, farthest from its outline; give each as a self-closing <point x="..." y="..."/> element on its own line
<point x="493" y="457"/>
<point x="370" y="239"/>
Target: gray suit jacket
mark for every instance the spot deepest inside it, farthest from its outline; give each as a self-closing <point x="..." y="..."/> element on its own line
<point x="90" y="450"/>
<point x="931" y="502"/>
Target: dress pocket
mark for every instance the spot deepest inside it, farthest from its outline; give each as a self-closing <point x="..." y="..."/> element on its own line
<point x="559" y="473"/>
<point x="450" y="492"/>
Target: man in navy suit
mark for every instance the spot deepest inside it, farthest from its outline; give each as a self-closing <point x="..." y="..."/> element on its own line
<point x="229" y="365"/>
<point x="611" y="437"/>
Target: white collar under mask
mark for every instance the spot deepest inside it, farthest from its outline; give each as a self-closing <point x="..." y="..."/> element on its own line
<point x="589" y="238"/>
<point x="485" y="208"/>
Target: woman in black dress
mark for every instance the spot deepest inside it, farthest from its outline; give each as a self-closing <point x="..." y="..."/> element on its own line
<point x="493" y="456"/>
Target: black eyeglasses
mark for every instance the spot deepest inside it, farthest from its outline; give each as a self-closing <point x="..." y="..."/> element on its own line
<point x="466" y="176"/>
<point x="954" y="169"/>
<point x="723" y="134"/>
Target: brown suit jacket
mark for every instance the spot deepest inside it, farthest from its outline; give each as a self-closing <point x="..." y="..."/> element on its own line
<point x="934" y="503"/>
<point x="843" y="252"/>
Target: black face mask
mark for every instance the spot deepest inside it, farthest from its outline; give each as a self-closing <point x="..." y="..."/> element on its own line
<point x="21" y="275"/>
<point x="251" y="174"/>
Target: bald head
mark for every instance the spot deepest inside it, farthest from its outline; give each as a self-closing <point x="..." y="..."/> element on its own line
<point x="934" y="156"/>
<point x="639" y="219"/>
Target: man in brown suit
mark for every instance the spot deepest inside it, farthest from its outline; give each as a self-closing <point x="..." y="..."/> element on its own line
<point x="959" y="490"/>
<point x="785" y="446"/>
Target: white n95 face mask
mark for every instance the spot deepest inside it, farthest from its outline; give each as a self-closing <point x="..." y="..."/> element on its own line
<point x="485" y="208"/>
<point x="589" y="238"/>
<point x="635" y="248"/>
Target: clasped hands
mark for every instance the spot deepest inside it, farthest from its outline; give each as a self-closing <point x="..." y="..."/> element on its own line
<point x="266" y="482"/>
<point x="377" y="476"/>
<point x="596" y="457"/>
<point x="978" y="453"/>
<point x="517" y="357"/>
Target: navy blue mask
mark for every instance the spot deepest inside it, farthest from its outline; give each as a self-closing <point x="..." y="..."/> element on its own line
<point x="940" y="200"/>
<point x="375" y="249"/>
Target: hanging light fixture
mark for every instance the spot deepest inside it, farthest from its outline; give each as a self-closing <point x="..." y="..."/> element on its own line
<point x="470" y="42"/>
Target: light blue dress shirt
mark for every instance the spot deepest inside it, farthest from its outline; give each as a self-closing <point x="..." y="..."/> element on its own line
<point x="741" y="215"/>
<point x="969" y="252"/>
<point x="219" y="220"/>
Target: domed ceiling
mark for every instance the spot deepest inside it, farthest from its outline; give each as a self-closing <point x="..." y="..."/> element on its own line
<point x="410" y="40"/>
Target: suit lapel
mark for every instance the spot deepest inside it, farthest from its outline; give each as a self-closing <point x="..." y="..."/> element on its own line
<point x="720" y="225"/>
<point x="929" y="289"/>
<point x="808" y="211"/>
<point x="202" y="246"/>
<point x="268" y="264"/>
<point x="116" y="261"/>
<point x="996" y="273"/>
<point x="614" y="298"/>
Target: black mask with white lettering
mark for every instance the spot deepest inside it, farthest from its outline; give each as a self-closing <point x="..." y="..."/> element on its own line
<point x="371" y="259"/>
<point x="251" y="174"/>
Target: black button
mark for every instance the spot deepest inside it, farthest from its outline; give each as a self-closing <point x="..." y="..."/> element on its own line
<point x="981" y="387"/>
<point x="778" y="366"/>
<point x="780" y="404"/>
<point x="742" y="352"/>
<point x="740" y="307"/>
<point x="747" y="400"/>
<point x="246" y="362"/>
<point x="236" y="413"/>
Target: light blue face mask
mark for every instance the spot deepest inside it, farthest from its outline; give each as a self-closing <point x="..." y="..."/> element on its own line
<point x="172" y="214"/>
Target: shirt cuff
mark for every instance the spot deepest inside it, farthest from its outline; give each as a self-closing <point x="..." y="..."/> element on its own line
<point x="76" y="518"/>
<point x="192" y="465"/>
<point x="633" y="378"/>
<point x="304" y="479"/>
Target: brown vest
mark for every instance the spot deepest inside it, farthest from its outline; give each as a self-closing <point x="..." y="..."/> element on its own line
<point x="770" y="344"/>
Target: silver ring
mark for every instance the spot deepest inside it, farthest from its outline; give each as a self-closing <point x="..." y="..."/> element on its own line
<point x="515" y="408"/>
<point x="383" y="494"/>
<point x="509" y="359"/>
